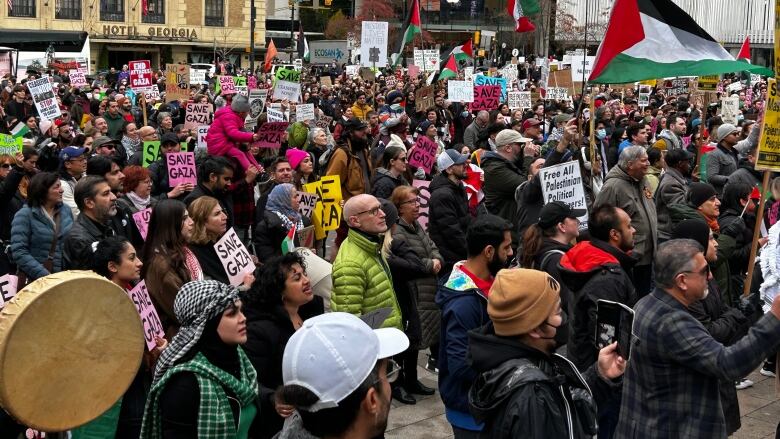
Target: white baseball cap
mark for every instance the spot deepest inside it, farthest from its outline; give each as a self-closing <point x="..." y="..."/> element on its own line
<point x="332" y="354"/>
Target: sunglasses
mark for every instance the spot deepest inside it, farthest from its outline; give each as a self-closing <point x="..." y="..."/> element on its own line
<point x="5" y="166"/>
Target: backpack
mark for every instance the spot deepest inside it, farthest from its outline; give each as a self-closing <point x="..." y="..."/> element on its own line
<point x="327" y="156"/>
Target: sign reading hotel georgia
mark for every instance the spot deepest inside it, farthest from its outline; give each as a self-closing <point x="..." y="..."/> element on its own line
<point x="131" y="31"/>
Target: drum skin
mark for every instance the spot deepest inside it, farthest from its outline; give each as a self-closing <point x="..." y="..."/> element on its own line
<point x="70" y="345"/>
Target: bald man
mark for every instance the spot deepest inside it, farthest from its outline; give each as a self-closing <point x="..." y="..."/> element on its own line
<point x="361" y="276"/>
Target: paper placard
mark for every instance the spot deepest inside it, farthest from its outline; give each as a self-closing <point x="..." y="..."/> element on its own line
<point x="352" y="70"/>
<point x="729" y="108"/>
<point x="202" y="132"/>
<point x="153" y="328"/>
<point x="141" y="220"/>
<point x="373" y="44"/>
<point x="257" y="99"/>
<point x="197" y="115"/>
<point x="306" y="203"/>
<point x="422" y="155"/>
<point x="288" y="75"/>
<point x="45" y="99"/>
<point x="152" y="95"/>
<point x="391" y="81"/>
<point x="486" y="97"/>
<point x="242" y="90"/>
<point x="519" y="99"/>
<point x="304" y="112"/>
<point x="460" y="91"/>
<point x="425" y="196"/>
<point x="234" y="257"/>
<point x="769" y="145"/>
<point x="151" y="152"/>
<point x="563" y="182"/>
<point x="557" y="94"/>
<point x="177" y="82"/>
<point x="424" y="98"/>
<point x="327" y="211"/>
<point x="8" y="287"/>
<point x="77" y="79"/>
<point x="11" y="145"/>
<point x="227" y="85"/>
<point x="270" y="134"/>
<point x="251" y="82"/>
<point x="198" y="76"/>
<point x="181" y="168"/>
<point x="324" y="122"/>
<point x="487" y="80"/>
<point x="468" y="73"/>
<point x="287" y="90"/>
<point x="413" y="71"/>
<point x="141" y="77"/>
<point x="275" y="115"/>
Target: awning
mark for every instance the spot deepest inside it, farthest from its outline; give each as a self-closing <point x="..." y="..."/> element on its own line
<point x="39" y="41"/>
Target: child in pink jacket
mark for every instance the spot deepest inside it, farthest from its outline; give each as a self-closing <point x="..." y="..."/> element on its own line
<point x="225" y="133"/>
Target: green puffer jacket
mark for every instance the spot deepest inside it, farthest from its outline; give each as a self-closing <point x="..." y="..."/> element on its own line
<point x="361" y="280"/>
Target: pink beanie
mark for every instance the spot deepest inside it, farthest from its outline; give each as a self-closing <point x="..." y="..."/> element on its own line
<point x="295" y="156"/>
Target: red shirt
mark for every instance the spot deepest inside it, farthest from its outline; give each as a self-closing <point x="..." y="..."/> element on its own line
<point x="482" y="284"/>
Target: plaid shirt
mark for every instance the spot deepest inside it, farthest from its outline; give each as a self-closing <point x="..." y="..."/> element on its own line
<point x="670" y="389"/>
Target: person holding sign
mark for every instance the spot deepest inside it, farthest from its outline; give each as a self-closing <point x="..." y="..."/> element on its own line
<point x="138" y="190"/>
<point x="169" y="143"/>
<point x="209" y="224"/>
<point x="204" y="370"/>
<point x="281" y="214"/>
<point x="116" y="260"/>
<point x="226" y="133"/>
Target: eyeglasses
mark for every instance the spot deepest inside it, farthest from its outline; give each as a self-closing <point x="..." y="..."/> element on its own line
<point x="402" y="158"/>
<point x="108" y="146"/>
<point x="414" y="201"/>
<point x="393" y="370"/>
<point x="703" y="272"/>
<point x="5" y="166"/>
<point x="370" y="212"/>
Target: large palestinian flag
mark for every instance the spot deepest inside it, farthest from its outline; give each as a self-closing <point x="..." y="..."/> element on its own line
<point x="648" y="39"/>
<point x="412" y="27"/>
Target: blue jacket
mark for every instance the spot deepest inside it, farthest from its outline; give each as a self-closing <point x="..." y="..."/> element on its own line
<point x="31" y="236"/>
<point x="463" y="308"/>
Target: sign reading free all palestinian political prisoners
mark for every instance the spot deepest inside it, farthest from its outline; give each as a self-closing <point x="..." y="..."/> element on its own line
<point x="234" y="257"/>
<point x="45" y="100"/>
<point x="564" y="183"/>
<point x="769" y="145"/>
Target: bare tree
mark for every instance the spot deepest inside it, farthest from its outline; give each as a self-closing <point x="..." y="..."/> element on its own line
<point x="570" y="33"/>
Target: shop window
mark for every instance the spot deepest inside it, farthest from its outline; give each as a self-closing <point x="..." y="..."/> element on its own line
<point x="215" y="12"/>
<point x="68" y="10"/>
<point x="21" y="8"/>
<point x="155" y="12"/>
<point x="112" y="10"/>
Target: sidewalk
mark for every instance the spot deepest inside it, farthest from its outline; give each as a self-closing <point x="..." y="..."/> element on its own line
<point x="759" y="407"/>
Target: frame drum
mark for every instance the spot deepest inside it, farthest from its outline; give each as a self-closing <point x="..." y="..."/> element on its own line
<point x="70" y="345"/>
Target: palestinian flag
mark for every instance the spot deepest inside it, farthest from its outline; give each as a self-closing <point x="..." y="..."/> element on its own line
<point x="464" y="52"/>
<point x="450" y="70"/>
<point x="648" y="39"/>
<point x="413" y="26"/>
<point x="303" y="45"/>
<point x="744" y="51"/>
<point x="20" y="130"/>
<point x="520" y="10"/>
<point x="288" y="243"/>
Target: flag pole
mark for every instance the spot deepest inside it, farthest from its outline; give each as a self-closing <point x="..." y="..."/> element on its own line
<point x="756" y="232"/>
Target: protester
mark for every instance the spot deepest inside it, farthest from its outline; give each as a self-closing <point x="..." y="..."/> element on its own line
<point x="204" y="370"/>
<point x="137" y="188"/>
<point x="276" y="306"/>
<point x="672" y="188"/>
<point x="524" y="389"/>
<point x="462" y="298"/>
<point x="73" y="165"/>
<point x="280" y="217"/>
<point x="302" y="166"/>
<point x="448" y="211"/>
<point x="97" y="205"/>
<point x="12" y="172"/>
<point x="722" y="162"/>
<point x="169" y="143"/>
<point x="391" y="175"/>
<point x="215" y="175"/>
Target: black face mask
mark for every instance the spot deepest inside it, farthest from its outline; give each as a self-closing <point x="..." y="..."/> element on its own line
<point x="561" y="331"/>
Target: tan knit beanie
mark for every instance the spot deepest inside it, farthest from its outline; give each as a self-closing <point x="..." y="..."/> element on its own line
<point x="521" y="299"/>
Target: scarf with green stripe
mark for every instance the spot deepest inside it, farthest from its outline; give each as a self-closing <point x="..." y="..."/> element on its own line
<point x="215" y="418"/>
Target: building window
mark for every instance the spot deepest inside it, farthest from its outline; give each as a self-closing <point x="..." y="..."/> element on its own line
<point x="112" y="10"/>
<point x="215" y="13"/>
<point x="21" y="8"/>
<point x="155" y="12"/>
<point x="68" y="10"/>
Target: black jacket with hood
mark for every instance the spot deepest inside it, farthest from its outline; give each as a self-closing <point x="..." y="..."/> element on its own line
<point x="383" y="183"/>
<point x="594" y="270"/>
<point x="448" y="219"/>
<point x="521" y="392"/>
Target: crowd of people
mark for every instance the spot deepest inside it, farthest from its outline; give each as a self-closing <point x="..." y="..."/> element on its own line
<point x="466" y="262"/>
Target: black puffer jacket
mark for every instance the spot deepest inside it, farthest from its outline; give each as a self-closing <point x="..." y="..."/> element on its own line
<point x="594" y="270"/>
<point x="448" y="219"/>
<point x="523" y="392"/>
<point x="383" y="183"/>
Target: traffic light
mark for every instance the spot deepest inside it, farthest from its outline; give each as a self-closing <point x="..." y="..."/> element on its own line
<point x="328" y="2"/>
<point x="476" y="38"/>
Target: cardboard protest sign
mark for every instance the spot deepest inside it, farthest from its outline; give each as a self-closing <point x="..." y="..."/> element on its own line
<point x="77" y="79"/>
<point x="197" y="115"/>
<point x="8" y="287"/>
<point x="306" y="203"/>
<point x="181" y="168"/>
<point x="424" y="98"/>
<point x="177" y="82"/>
<point x="304" y="112"/>
<point x="141" y="78"/>
<point x="367" y="74"/>
<point x="45" y="99"/>
<point x="769" y="145"/>
<point x="10" y="145"/>
<point x="460" y="91"/>
<point x="153" y="328"/>
<point x="373" y="44"/>
<point x="227" y="85"/>
<point x="151" y="152"/>
<point x="561" y="78"/>
<point x="306" y="237"/>
<point x="257" y="99"/>
<point x="202" y="132"/>
<point x="486" y="97"/>
<point x="270" y="134"/>
<point x="288" y="75"/>
<point x="141" y="220"/>
<point x="423" y="155"/>
<point x="287" y="90"/>
<point x="729" y="109"/>
<point x="487" y="80"/>
<point x="324" y="121"/>
<point x="327" y="212"/>
<point x="275" y="115"/>
<point x="563" y="182"/>
<point x="234" y="257"/>
<point x="425" y="196"/>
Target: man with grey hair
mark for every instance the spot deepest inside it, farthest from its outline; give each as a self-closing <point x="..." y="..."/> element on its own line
<point x="673" y="345"/>
<point x="627" y="187"/>
<point x="476" y="134"/>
